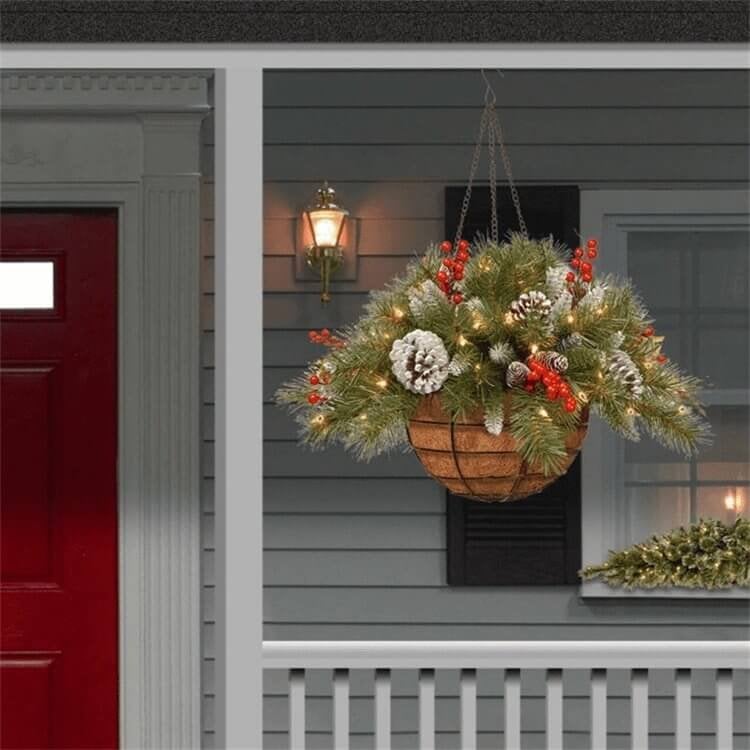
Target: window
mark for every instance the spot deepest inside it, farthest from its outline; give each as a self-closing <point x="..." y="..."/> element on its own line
<point x="27" y="285"/>
<point x="535" y="541"/>
<point x="688" y="254"/>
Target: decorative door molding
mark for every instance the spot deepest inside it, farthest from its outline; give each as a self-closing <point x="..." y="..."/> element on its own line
<point x="130" y="139"/>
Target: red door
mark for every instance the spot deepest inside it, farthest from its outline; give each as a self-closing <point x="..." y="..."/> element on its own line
<point x="58" y="494"/>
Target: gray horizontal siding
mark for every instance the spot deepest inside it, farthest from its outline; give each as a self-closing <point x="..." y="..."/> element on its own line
<point x="358" y="550"/>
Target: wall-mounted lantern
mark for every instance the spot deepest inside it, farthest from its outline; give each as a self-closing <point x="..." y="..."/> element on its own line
<point x="324" y="236"/>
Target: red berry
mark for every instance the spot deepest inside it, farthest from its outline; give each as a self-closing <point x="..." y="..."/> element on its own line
<point x="528" y="387"/>
<point x="314" y="380"/>
<point x="533" y="377"/>
<point x="564" y="390"/>
<point x="442" y="276"/>
<point x="592" y="244"/>
<point x="570" y="277"/>
<point x="462" y="256"/>
<point x="325" y="333"/>
<point x="648" y="331"/>
<point x="458" y="274"/>
<point x="661" y="359"/>
<point x="312" y="335"/>
<point x="463" y="246"/>
<point x="578" y="252"/>
<point x="547" y="379"/>
<point x="586" y="267"/>
<point x="570" y="404"/>
<point x="593" y="252"/>
<point x="446" y="246"/>
<point x="457" y="298"/>
<point x="575" y="263"/>
<point x="586" y="277"/>
<point x="552" y="393"/>
<point x="313" y="398"/>
<point x="448" y="262"/>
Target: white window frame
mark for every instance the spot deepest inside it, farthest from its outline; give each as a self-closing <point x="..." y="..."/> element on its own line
<point x="610" y="215"/>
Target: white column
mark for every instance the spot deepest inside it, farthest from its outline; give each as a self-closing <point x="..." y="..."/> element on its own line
<point x="724" y="713"/>
<point x="171" y="433"/>
<point x="341" y="709"/>
<point x="239" y="504"/>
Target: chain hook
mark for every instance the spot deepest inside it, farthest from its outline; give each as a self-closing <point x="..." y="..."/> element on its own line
<point x="489" y="91"/>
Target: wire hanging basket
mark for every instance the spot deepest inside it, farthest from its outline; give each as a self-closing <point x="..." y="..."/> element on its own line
<point x="469" y="461"/>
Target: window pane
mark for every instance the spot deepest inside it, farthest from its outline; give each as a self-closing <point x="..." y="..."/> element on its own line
<point x="722" y="273"/>
<point x="727" y="459"/>
<point x="27" y="285"/>
<point x="723" y="503"/>
<point x="647" y="461"/>
<point x="655" y="261"/>
<point x="654" y="510"/>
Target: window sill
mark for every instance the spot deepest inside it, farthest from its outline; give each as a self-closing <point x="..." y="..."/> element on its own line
<point x="599" y="590"/>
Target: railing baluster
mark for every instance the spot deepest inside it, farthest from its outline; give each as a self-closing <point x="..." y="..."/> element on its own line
<point x="468" y="709"/>
<point x="639" y="709"/>
<point x="296" y="709"/>
<point x="426" y="709"/>
<point x="512" y="709"/>
<point x="341" y="709"/>
<point x="683" y="719"/>
<point x="554" y="709"/>
<point x="382" y="709"/>
<point x="724" y="709"/>
<point x="598" y="709"/>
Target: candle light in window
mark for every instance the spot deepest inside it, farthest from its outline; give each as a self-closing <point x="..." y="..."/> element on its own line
<point x="733" y="501"/>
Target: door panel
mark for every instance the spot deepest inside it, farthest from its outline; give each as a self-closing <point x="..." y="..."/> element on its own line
<point x="58" y="491"/>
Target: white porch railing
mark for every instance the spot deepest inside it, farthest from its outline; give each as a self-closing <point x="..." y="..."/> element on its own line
<point x="511" y="656"/>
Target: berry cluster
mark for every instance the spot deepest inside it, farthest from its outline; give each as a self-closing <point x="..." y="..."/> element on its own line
<point x="318" y="378"/>
<point x="325" y="337"/>
<point x="647" y="333"/>
<point x="452" y="269"/>
<point x="556" y="387"/>
<point x="583" y="269"/>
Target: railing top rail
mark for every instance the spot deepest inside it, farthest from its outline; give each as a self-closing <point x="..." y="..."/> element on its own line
<point x="506" y="654"/>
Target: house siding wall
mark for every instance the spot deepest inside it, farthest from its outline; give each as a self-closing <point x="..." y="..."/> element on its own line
<point x="357" y="551"/>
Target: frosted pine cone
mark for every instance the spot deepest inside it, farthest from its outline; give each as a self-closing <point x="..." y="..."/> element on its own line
<point x="458" y="365"/>
<point x="554" y="360"/>
<point x="493" y="420"/>
<point x="420" y="361"/>
<point x="502" y="353"/>
<point x="530" y="303"/>
<point x="570" y="342"/>
<point x="557" y="284"/>
<point x="593" y="298"/>
<point x="624" y="371"/>
<point x="423" y="296"/>
<point x="516" y="374"/>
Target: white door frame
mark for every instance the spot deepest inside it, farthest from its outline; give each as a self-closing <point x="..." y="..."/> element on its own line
<point x="158" y="355"/>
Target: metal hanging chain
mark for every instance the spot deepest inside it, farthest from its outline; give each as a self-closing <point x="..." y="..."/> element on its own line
<point x="472" y="173"/>
<point x="491" y="123"/>
<point x="509" y="174"/>
<point x="491" y="139"/>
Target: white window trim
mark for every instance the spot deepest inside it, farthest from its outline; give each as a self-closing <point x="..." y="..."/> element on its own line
<point x="608" y="215"/>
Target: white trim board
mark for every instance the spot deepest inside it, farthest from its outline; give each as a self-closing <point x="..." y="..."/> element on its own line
<point x="158" y="394"/>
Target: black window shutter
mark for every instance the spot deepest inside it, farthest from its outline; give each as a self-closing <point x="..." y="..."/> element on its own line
<point x="536" y="541"/>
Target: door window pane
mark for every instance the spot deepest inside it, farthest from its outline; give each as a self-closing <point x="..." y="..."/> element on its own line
<point x="27" y="285"/>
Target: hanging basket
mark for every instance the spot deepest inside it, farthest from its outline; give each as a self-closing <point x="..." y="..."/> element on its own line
<point x="471" y="462"/>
